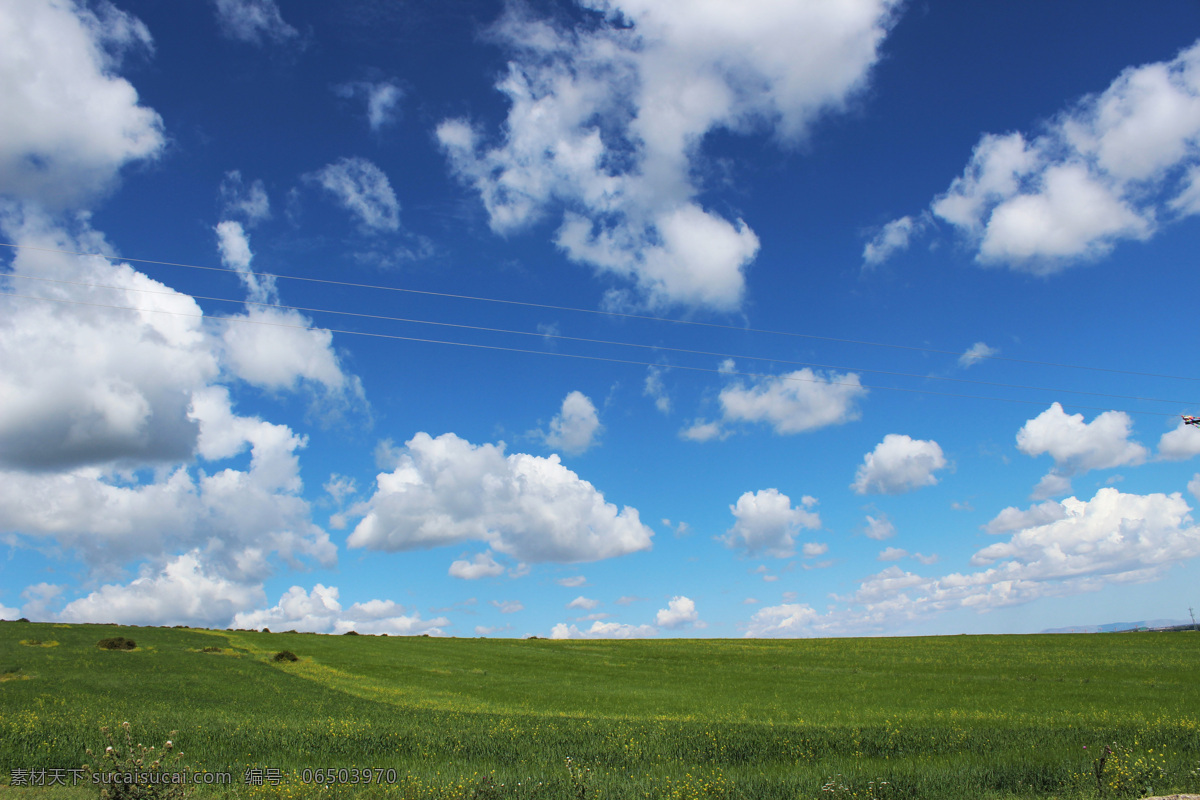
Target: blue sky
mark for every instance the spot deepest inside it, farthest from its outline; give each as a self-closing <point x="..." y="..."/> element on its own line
<point x="610" y="318"/>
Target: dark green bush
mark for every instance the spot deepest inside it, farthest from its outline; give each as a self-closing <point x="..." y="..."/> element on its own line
<point x="116" y="643"/>
<point x="285" y="655"/>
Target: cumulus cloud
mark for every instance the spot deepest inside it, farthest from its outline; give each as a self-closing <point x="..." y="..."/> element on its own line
<point x="182" y="593"/>
<point x="899" y="464"/>
<point x="1114" y="538"/>
<point x="483" y="565"/>
<point x="1115" y="166"/>
<point x="253" y="21"/>
<point x="892" y="554"/>
<point x="603" y="630"/>
<point x="767" y="523"/>
<point x="976" y="353"/>
<point x="234" y="246"/>
<point x="796" y="402"/>
<point x="585" y="603"/>
<point x="891" y="239"/>
<point x="1013" y="519"/>
<point x="447" y="490"/>
<point x="606" y="125"/>
<point x="575" y="428"/>
<point x="235" y="519"/>
<point x="879" y="528"/>
<point x="364" y="190"/>
<point x="276" y="348"/>
<point x="1179" y="444"/>
<point x="86" y="385"/>
<point x="382" y="99"/>
<point x="791" y="620"/>
<point x="703" y="431"/>
<point x="1076" y="446"/>
<point x="320" y="611"/>
<point x="571" y="582"/>
<point x="70" y="122"/>
<point x="249" y="202"/>
<point x="508" y="606"/>
<point x="656" y="390"/>
<point x="680" y="612"/>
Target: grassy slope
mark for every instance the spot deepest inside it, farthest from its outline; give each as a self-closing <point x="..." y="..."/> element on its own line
<point x="935" y="717"/>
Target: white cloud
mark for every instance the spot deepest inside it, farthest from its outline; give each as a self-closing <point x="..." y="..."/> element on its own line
<point x="1012" y="519"/>
<point x="339" y="487"/>
<point x="890" y="239"/>
<point x="320" y="611"/>
<point x="253" y="21"/>
<point x="892" y="554"/>
<point x="656" y="390"/>
<point x="879" y="528"/>
<point x="607" y="124"/>
<point x="1180" y="444"/>
<point x="91" y="385"/>
<point x="899" y="464"/>
<point x="1114" y="538"/>
<point x="508" y="606"/>
<point x="9" y="613"/>
<point x="1076" y="446"/>
<point x="276" y="348"/>
<point x="235" y="519"/>
<point x="69" y="122"/>
<point x="382" y="99"/>
<point x="234" y="247"/>
<point x="573" y="581"/>
<point x="814" y="549"/>
<point x="364" y="190"/>
<point x="575" y="428"/>
<point x="483" y="565"/>
<point x="102" y="409"/>
<point x="767" y="523"/>
<point x="585" y="603"/>
<point x="1114" y="166"/>
<point x="976" y="353"/>
<point x="1052" y="484"/>
<point x="1114" y="533"/>
<point x="251" y="203"/>
<point x="680" y="612"/>
<point x="703" y="431"/>
<point x="447" y="490"/>
<point x="603" y="630"/>
<point x="796" y="402"/>
<point x="788" y="620"/>
<point x="181" y="593"/>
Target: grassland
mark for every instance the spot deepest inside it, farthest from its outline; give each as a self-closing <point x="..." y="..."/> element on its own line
<point x="930" y="718"/>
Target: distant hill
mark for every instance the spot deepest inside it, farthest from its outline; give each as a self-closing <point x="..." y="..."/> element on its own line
<point x="1114" y="627"/>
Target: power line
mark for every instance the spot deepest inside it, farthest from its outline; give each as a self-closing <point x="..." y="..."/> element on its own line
<point x="640" y="345"/>
<point x="602" y="312"/>
<point x="854" y="384"/>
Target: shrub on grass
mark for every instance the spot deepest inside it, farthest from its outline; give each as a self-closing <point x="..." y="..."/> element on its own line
<point x="350" y="633"/>
<point x="285" y="655"/>
<point x="116" y="643"/>
<point x="137" y="772"/>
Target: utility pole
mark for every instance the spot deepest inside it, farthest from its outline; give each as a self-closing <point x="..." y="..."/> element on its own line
<point x="1193" y="613"/>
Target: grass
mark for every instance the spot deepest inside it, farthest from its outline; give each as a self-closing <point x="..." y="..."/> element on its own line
<point x="943" y="717"/>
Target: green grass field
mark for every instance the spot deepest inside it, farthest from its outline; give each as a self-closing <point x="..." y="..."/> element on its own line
<point x="945" y="717"/>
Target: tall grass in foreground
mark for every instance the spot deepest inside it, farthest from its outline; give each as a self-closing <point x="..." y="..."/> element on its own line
<point x="947" y="717"/>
